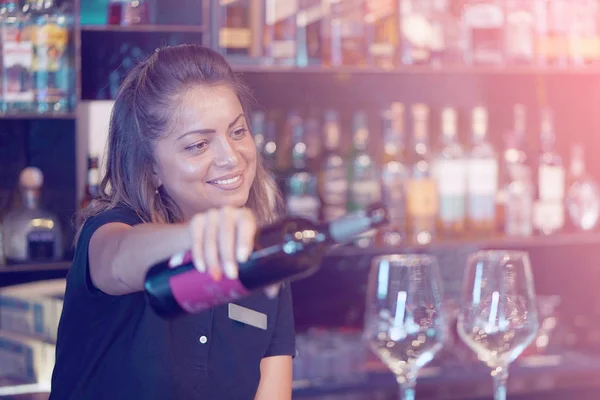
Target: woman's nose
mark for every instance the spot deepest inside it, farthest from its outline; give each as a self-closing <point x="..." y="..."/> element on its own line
<point x="225" y="155"/>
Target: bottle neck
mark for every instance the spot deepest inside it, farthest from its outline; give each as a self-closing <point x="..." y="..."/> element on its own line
<point x="31" y="198"/>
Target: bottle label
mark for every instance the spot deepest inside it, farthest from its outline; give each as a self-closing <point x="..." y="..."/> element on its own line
<point x="40" y="245"/>
<point x="197" y="291"/>
<point x="548" y="216"/>
<point x="17" y="57"/>
<point x="334" y="188"/>
<point x="235" y="38"/>
<point x="482" y="177"/>
<point x="365" y="192"/>
<point x="551" y="183"/>
<point x="50" y="43"/>
<point x="422" y="198"/>
<point x="520" y="34"/>
<point x="451" y="176"/>
<point x="304" y="206"/>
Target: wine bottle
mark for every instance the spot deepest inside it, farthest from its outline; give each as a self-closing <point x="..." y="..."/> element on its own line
<point x="289" y="249"/>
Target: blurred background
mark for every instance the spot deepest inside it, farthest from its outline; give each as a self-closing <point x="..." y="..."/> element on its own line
<point x="475" y="121"/>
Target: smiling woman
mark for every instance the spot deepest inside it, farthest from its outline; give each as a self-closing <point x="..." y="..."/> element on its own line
<point x="182" y="172"/>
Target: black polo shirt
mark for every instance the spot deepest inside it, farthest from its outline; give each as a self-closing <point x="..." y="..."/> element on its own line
<point x="116" y="347"/>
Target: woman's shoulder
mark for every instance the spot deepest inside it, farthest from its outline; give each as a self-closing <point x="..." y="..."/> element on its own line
<point x="118" y="213"/>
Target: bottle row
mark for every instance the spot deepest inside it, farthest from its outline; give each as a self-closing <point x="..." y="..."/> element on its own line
<point x="36" y="58"/>
<point x="451" y="191"/>
<point x="391" y="33"/>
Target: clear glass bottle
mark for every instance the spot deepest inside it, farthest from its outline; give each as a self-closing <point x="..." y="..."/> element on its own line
<point x="450" y="171"/>
<point x="554" y="18"/>
<point x="333" y="177"/>
<point x="364" y="182"/>
<point x="280" y="32"/>
<point x="518" y="208"/>
<point x="302" y="196"/>
<point x="584" y="32"/>
<point x="417" y="31"/>
<point x="520" y="32"/>
<point x="448" y="43"/>
<point x="583" y="195"/>
<point x="484" y="21"/>
<point x="394" y="175"/>
<point x="344" y="34"/>
<point x="514" y="159"/>
<point x="49" y="29"/>
<point x="17" y="59"/>
<point x="31" y="233"/>
<point x="482" y="177"/>
<point x="549" y="212"/>
<point x="421" y="190"/>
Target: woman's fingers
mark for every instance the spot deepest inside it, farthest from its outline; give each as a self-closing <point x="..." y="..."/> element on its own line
<point x="245" y="233"/>
<point x="227" y="228"/>
<point x="210" y="248"/>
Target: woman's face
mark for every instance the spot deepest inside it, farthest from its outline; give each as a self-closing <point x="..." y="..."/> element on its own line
<point x="209" y="159"/>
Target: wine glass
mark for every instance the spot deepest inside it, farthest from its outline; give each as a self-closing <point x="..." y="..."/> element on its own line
<point x="498" y="316"/>
<point x="405" y="324"/>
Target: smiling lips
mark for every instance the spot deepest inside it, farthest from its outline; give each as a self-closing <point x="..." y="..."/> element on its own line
<point x="229" y="182"/>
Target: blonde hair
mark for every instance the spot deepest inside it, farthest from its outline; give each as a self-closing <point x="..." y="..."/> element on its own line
<point x="142" y="114"/>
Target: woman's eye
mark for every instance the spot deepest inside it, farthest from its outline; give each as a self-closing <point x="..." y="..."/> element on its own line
<point x="239" y="133"/>
<point x="197" y="147"/>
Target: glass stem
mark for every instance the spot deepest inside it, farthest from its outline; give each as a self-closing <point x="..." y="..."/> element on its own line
<point x="500" y="376"/>
<point x="406" y="389"/>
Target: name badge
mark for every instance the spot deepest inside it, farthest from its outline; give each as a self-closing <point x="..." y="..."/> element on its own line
<point x="247" y="316"/>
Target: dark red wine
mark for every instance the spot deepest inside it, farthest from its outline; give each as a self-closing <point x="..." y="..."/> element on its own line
<point x="289" y="249"/>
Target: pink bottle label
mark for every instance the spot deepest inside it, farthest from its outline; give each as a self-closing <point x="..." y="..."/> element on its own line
<point x="196" y="291"/>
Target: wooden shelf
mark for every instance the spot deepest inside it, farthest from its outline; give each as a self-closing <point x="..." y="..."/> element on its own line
<point x="38" y="116"/>
<point x="412" y="70"/>
<point x="145" y="28"/>
<point x="35" y="267"/>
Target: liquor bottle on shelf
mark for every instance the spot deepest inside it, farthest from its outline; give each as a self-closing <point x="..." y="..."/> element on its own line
<point x="584" y="32"/>
<point x="421" y="191"/>
<point x="450" y="171"/>
<point x="31" y="233"/>
<point x="516" y="190"/>
<point x="554" y="19"/>
<point x="93" y="182"/>
<point x="394" y="175"/>
<point x="257" y="126"/>
<point x="289" y="249"/>
<point x="309" y="23"/>
<point x="344" y="39"/>
<point x="583" y="194"/>
<point x="521" y="32"/>
<point x="482" y="177"/>
<point x="518" y="206"/>
<point x="382" y="24"/>
<point x="417" y="31"/>
<point x="448" y="43"/>
<point x="484" y="21"/>
<point x="17" y="60"/>
<point x="280" y="32"/>
<point x="49" y="30"/>
<point x="238" y="23"/>
<point x="333" y="177"/>
<point x="302" y="196"/>
<point x="548" y="213"/>
<point x="364" y="182"/>
<point x="313" y="138"/>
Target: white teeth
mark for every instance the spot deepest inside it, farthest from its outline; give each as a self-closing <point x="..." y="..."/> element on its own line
<point x="227" y="181"/>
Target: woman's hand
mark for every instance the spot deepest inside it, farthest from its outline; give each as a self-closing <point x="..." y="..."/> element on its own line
<point x="222" y="238"/>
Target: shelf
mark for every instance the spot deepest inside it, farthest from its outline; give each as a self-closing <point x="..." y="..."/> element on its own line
<point x="145" y="28"/>
<point x="37" y="116"/>
<point x="35" y="267"/>
<point x="418" y="70"/>
<point x="500" y="242"/>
